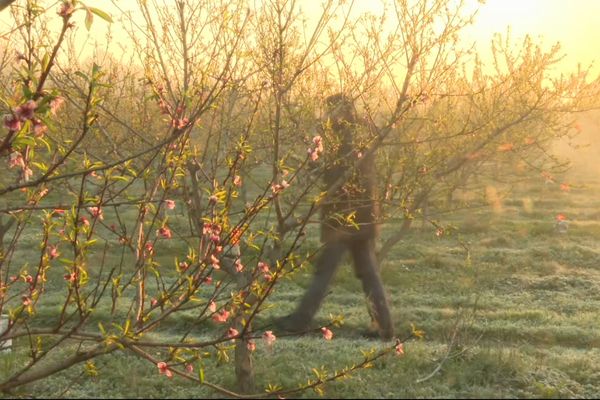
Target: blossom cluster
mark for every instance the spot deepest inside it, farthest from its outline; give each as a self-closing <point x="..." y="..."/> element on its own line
<point x="316" y="151"/>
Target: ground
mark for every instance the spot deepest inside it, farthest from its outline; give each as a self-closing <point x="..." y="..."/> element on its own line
<point x="510" y="308"/>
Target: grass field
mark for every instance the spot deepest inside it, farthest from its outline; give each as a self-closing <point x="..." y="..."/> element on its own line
<point x="518" y="317"/>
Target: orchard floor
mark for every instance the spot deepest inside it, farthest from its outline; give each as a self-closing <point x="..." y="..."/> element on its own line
<point x="510" y="308"/>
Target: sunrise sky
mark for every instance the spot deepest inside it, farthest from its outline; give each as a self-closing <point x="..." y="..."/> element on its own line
<point x="573" y="23"/>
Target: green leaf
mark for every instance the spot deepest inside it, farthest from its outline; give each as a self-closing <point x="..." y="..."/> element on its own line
<point x="45" y="142"/>
<point x="89" y="18"/>
<point x="105" y="16"/>
<point x="82" y="75"/>
<point x="119" y="178"/>
<point x="24" y="140"/>
<point x="417" y="332"/>
<point x="89" y="243"/>
<point x="40" y="165"/>
<point x="127" y="327"/>
<point x="201" y="374"/>
<point x="45" y="61"/>
<point x="95" y="69"/>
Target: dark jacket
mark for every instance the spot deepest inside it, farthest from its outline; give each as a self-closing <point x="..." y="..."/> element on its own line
<point x="356" y="196"/>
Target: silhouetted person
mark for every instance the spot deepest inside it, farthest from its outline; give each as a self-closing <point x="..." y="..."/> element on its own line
<point x="355" y="197"/>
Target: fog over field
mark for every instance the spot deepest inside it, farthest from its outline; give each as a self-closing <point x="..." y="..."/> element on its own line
<point x="292" y="198"/>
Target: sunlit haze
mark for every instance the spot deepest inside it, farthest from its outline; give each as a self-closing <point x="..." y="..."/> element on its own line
<point x="300" y="198"/>
<point x="573" y="23"/>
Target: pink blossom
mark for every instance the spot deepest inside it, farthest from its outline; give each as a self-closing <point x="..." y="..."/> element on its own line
<point x="58" y="211"/>
<point x="269" y="338"/>
<point x="170" y="204"/>
<point x="12" y="123"/>
<point x="565" y="187"/>
<point x="212" y="306"/>
<point x="314" y="153"/>
<point x="27" y="174"/>
<point x="221" y="317"/>
<point x="43" y="192"/>
<point x="16" y="160"/>
<point x="318" y="142"/>
<point x="232" y="332"/>
<point x="163" y="369"/>
<point x="149" y="248"/>
<point x="399" y="348"/>
<point x="209" y="228"/>
<point x="72" y="277"/>
<point x="180" y="123"/>
<point x="279" y="187"/>
<point x="96" y="212"/>
<point x="276" y="188"/>
<point x="208" y="280"/>
<point x="164" y="232"/>
<point x="55" y="104"/>
<point x="548" y="178"/>
<point x="214" y="262"/>
<point x="213" y="231"/>
<point x="153" y="302"/>
<point x="263" y="267"/>
<point x="183" y="266"/>
<point x="53" y="252"/>
<point x="164" y="107"/>
<point x="26" y="111"/>
<point x="506" y="147"/>
<point x="26" y="301"/>
<point x="237" y="180"/>
<point x="473" y="155"/>
<point x="561" y="217"/>
<point x="189" y="368"/>
<point x="268" y="277"/>
<point x="327" y="334"/>
<point x="29" y="279"/>
<point x="439" y="232"/>
<point x="239" y="267"/>
<point x="236" y="235"/>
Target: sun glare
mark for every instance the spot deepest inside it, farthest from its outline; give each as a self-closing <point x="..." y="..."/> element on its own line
<point x="571" y="23"/>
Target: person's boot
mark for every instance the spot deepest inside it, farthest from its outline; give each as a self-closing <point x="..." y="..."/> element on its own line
<point x="293" y="323"/>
